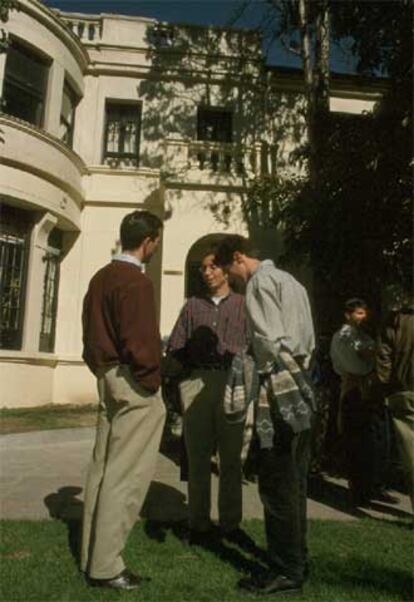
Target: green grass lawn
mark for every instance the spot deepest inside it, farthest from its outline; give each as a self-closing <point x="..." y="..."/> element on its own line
<point x="350" y="561"/>
<point x="40" y="418"/>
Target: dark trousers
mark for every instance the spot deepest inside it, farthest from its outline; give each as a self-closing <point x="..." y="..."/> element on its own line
<point x="283" y="472"/>
<point x="366" y="443"/>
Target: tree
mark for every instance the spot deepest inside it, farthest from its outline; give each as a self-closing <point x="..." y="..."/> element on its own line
<point x="5" y="7"/>
<point x="308" y="20"/>
<point x="355" y="225"/>
<point x="352" y="218"/>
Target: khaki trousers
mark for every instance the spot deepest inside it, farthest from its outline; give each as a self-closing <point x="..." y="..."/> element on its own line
<point x="129" y="429"/>
<point x="205" y="430"/>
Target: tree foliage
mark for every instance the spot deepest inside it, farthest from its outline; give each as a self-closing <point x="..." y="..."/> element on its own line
<point x="352" y="219"/>
<point x="5" y="7"/>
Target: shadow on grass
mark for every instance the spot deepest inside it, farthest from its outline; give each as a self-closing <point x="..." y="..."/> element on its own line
<point x="240" y="552"/>
<point x="365" y="574"/>
<point x="389" y="510"/>
<point x="164" y="503"/>
<point x="65" y="506"/>
<point x="330" y="494"/>
<point x="337" y="497"/>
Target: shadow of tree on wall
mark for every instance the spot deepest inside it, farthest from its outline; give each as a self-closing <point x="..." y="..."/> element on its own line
<point x="192" y="67"/>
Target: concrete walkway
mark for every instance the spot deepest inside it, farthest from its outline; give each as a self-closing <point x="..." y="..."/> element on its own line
<point x="42" y="475"/>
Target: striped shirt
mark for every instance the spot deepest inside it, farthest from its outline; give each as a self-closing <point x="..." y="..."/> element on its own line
<point x="208" y="333"/>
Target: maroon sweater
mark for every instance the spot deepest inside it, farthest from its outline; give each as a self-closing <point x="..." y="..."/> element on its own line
<point x="120" y="325"/>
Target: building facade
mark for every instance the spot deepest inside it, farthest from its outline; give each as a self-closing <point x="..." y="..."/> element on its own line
<point x="106" y="114"/>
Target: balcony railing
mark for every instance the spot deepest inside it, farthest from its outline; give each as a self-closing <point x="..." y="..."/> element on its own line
<point x="88" y="30"/>
<point x="213" y="158"/>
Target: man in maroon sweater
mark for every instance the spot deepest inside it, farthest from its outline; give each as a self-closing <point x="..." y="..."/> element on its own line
<point x="122" y="348"/>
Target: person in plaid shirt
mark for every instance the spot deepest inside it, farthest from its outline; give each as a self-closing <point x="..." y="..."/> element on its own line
<point x="209" y="331"/>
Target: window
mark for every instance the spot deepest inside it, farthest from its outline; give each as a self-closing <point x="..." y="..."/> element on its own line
<point x="25" y="84"/>
<point x="50" y="291"/>
<point x="67" y="115"/>
<point x="122" y="133"/>
<point x="15" y="227"/>
<point x="215" y="125"/>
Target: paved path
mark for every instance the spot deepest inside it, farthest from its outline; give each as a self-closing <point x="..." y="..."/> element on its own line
<point x="42" y="475"/>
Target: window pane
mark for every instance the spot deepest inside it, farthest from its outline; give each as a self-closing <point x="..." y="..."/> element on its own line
<point x="50" y="291"/>
<point x="67" y="106"/>
<point x="123" y="125"/>
<point x="113" y="137"/>
<point x="130" y="136"/>
<point x="27" y="68"/>
<point x="22" y="104"/>
<point x="67" y="115"/>
<point x="14" y="231"/>
<point x="49" y="308"/>
<point x="214" y="125"/>
<point x="25" y="84"/>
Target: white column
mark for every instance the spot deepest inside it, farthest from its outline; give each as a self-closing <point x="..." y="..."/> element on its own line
<point x="89" y="121"/>
<point x="2" y="71"/>
<point x="54" y="98"/>
<point x="35" y="282"/>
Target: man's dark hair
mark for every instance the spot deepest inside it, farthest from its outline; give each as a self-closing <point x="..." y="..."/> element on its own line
<point x="136" y="227"/>
<point x="232" y="243"/>
<point x="351" y="305"/>
<point x="212" y="250"/>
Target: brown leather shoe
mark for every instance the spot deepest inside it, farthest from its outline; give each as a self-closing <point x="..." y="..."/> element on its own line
<point x="124" y="581"/>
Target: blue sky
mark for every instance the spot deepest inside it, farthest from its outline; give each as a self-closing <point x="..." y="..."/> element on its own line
<point x="203" y="12"/>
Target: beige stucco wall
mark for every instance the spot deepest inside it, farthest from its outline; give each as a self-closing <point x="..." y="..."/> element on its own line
<point x="354" y="106"/>
<point x="27" y="380"/>
<point x="41" y="170"/>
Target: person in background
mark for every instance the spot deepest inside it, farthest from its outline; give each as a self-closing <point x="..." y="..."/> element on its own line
<point x="209" y="331"/>
<point x="281" y="335"/>
<point x="361" y="419"/>
<point x="122" y="348"/>
<point x="395" y="370"/>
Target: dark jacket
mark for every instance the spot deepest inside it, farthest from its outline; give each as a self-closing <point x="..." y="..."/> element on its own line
<point x="120" y="325"/>
<point x="395" y="355"/>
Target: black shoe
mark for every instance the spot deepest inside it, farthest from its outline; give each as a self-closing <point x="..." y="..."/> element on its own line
<point x="124" y="581"/>
<point x="271" y="585"/>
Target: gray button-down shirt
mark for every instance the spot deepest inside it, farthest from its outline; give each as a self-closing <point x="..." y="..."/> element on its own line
<point x="347" y="351"/>
<point x="278" y="312"/>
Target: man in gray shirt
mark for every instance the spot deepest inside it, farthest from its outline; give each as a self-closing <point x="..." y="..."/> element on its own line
<point x="279" y="326"/>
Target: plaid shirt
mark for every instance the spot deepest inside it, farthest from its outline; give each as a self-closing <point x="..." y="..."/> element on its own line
<point x="207" y="334"/>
